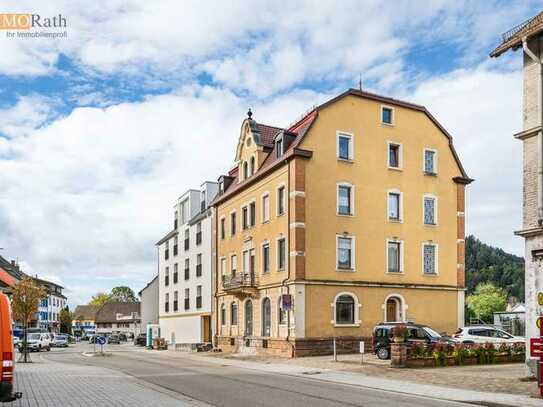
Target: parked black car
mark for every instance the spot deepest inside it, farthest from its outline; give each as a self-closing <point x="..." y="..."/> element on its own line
<point x="141" y="340"/>
<point x="382" y="337"/>
<point x="114" y="339"/>
<point x="123" y="337"/>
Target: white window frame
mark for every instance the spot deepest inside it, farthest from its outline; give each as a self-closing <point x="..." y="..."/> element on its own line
<point x="400" y="204"/>
<point x="285" y="209"/>
<point x="400" y="155"/>
<point x="265" y="213"/>
<point x="436" y="246"/>
<point x="350" y="136"/>
<point x="278" y="252"/>
<point x="351" y="198"/>
<point x="424" y="150"/>
<point x="357" y="306"/>
<point x="264" y="243"/>
<point x="353" y="254"/>
<point x="431" y="196"/>
<point x="401" y="242"/>
<point x="393" y="113"/>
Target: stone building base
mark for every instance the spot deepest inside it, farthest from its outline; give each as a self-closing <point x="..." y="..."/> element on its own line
<point x="292" y="347"/>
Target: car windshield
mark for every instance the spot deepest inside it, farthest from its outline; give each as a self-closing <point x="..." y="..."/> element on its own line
<point x="431" y="332"/>
<point x="34" y="336"/>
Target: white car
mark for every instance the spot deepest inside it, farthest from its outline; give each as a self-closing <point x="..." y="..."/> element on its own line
<point x="60" y="341"/>
<point x="484" y="334"/>
<point x="38" y="341"/>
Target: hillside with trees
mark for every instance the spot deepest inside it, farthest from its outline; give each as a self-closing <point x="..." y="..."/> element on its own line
<point x="487" y="264"/>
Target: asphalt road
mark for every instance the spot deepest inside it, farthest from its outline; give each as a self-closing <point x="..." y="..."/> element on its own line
<point x="222" y="385"/>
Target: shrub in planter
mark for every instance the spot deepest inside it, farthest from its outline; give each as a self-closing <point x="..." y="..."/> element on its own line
<point x="519" y="348"/>
<point x="417" y="351"/>
<point x="460" y="354"/>
<point x="486" y="354"/>
<point x="440" y="354"/>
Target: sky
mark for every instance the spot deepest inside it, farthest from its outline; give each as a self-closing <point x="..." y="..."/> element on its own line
<point x="101" y="131"/>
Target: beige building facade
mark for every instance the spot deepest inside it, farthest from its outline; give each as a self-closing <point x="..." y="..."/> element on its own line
<point x="352" y="216"/>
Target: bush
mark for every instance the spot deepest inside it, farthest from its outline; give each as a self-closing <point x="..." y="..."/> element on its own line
<point x="440" y="354"/>
<point x="460" y="353"/>
<point x="418" y="351"/>
<point x="519" y="348"/>
<point x="505" y="348"/>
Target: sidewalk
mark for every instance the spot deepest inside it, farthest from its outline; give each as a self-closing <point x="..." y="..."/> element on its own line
<point x="452" y="383"/>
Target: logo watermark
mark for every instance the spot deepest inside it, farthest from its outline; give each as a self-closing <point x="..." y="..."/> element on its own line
<point x="28" y="25"/>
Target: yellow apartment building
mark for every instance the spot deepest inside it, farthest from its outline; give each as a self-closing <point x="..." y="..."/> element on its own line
<point x="350" y="217"/>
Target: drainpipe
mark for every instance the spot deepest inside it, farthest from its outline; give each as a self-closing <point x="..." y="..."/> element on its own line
<point x="538" y="61"/>
<point x="288" y="255"/>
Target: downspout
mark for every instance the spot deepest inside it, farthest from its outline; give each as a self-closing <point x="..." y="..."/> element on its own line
<point x="538" y="61"/>
<point x="288" y="262"/>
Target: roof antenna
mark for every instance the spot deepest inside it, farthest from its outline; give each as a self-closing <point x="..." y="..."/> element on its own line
<point x="250" y="114"/>
<point x="360" y="83"/>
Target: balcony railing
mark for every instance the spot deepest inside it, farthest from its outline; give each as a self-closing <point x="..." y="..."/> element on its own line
<point x="239" y="281"/>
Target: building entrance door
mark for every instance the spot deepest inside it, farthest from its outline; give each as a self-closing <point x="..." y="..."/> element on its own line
<point x="392" y="310"/>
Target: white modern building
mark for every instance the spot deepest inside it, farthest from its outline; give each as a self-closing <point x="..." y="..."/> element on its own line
<point x="149" y="304"/>
<point x="185" y="267"/>
<point x="50" y="306"/>
<point x="119" y="317"/>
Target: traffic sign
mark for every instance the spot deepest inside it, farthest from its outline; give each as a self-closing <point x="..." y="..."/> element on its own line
<point x="540" y="298"/>
<point x="536" y="347"/>
<point x="100" y="340"/>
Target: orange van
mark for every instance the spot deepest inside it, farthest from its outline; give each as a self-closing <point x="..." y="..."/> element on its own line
<point x="6" y="352"/>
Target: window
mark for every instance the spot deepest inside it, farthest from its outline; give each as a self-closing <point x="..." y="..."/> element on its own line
<point x="430" y="164"/>
<point x="430" y="216"/>
<point x="223" y="315"/>
<point x="233" y="264"/>
<point x="245" y="170"/>
<point x="394" y="257"/>
<point x="344" y="199"/>
<point x="344" y="146"/>
<point x="387" y="115"/>
<point x="279" y="147"/>
<point x="234" y="314"/>
<point x="186" y="239"/>
<point x="345" y="310"/>
<point x="199" y="265"/>
<point x="283" y="313"/>
<point x="187" y="298"/>
<point x="280" y="200"/>
<point x="187" y="269"/>
<point x="202" y="201"/>
<point x="265" y="208"/>
<point x="167" y="250"/>
<point x="223" y="228"/>
<point x="175" y="245"/>
<point x="199" y="233"/>
<point x="266" y="317"/>
<point x="248" y="318"/>
<point x="233" y="223"/>
<point x="175" y="302"/>
<point x="429" y="255"/>
<point x="167" y="302"/>
<point x="176" y="216"/>
<point x="244" y="216"/>
<point x="265" y="257"/>
<point x="198" y="296"/>
<point x="223" y="269"/>
<point x="345" y="259"/>
<point x="167" y="277"/>
<point x="175" y="273"/>
<point x="252" y="213"/>
<point x="252" y="165"/>
<point x="394" y="155"/>
<point x="281" y="253"/>
<point x="394" y="208"/>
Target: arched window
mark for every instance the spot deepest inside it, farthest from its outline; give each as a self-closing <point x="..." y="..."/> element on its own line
<point x="245" y="170"/>
<point x="252" y="165"/>
<point x="266" y="317"/>
<point x="345" y="309"/>
<point x="234" y="314"/>
<point x="223" y="315"/>
<point x="249" y="318"/>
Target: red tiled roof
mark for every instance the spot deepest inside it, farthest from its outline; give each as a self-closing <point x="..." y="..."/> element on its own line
<point x="268" y="133"/>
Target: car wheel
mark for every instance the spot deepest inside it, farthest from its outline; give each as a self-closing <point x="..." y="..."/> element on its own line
<point x="48" y="349"/>
<point x="383" y="353"/>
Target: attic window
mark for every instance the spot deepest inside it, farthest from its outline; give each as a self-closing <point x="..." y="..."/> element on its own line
<point x="245" y="170"/>
<point x="252" y="165"/>
<point x="279" y="147"/>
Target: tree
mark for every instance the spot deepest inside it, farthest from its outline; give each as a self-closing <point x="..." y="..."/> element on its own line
<point x="26" y="300"/>
<point x="66" y="318"/>
<point x="123" y="294"/>
<point x="99" y="299"/>
<point x="486" y="300"/>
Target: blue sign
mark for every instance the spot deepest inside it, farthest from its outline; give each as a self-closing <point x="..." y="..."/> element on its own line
<point x="100" y="340"/>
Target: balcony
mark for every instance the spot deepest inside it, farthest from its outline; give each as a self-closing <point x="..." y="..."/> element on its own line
<point x="243" y="284"/>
